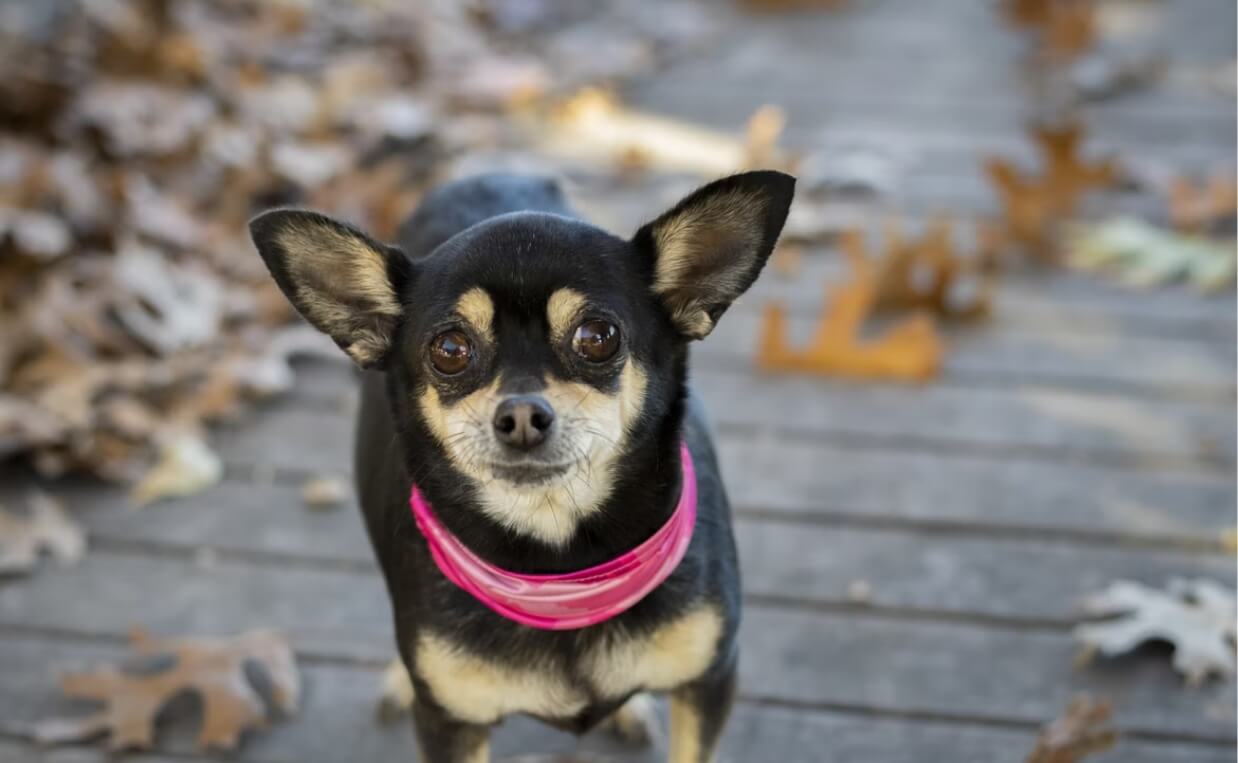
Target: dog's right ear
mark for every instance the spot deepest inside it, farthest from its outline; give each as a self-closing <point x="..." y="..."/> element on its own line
<point x="342" y="281"/>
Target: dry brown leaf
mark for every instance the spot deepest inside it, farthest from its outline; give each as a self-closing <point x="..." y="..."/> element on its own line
<point x="928" y="274"/>
<point x="1205" y="207"/>
<point x="215" y="669"/>
<point x="1064" y="28"/>
<point x="908" y="351"/>
<point x="46" y="528"/>
<point x="1082" y="731"/>
<point x="1034" y="207"/>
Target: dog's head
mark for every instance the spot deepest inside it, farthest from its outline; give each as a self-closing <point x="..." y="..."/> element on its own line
<point x="535" y="352"/>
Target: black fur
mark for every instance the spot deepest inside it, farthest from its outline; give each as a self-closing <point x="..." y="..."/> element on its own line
<point x="517" y="238"/>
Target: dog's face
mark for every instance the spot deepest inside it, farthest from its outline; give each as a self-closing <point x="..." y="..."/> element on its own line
<point x="533" y="349"/>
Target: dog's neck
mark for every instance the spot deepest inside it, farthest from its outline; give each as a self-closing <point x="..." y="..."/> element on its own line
<point x="646" y="488"/>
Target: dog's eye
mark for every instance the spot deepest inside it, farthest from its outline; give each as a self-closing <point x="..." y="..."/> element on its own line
<point x="450" y="353"/>
<point x="596" y="341"/>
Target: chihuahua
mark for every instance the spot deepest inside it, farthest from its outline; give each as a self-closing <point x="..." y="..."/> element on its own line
<point x="539" y="487"/>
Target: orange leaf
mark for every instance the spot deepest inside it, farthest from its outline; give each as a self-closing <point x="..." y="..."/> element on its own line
<point x="910" y="351"/>
<point x="1033" y="207"/>
<point x="927" y="273"/>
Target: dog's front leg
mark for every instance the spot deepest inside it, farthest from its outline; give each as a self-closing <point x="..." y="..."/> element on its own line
<point x="443" y="739"/>
<point x="698" y="714"/>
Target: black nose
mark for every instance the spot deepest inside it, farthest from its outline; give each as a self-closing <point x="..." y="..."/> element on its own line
<point x="523" y="421"/>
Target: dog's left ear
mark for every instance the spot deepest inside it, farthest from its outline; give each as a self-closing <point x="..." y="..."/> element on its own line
<point x="712" y="245"/>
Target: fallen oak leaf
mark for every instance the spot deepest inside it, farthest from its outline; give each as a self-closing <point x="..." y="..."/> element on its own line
<point x="1209" y="206"/>
<point x="1064" y="28"/>
<point x="186" y="466"/>
<point x="1142" y="255"/>
<point x="1196" y="616"/>
<point x="46" y="528"/>
<point x="1081" y="731"/>
<point x="213" y="668"/>
<point x="1067" y="175"/>
<point x="927" y="274"/>
<point x="909" y="351"/>
<point x="1032" y="207"/>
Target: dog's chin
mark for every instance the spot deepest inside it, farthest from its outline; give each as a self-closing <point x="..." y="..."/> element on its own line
<point x="529" y="474"/>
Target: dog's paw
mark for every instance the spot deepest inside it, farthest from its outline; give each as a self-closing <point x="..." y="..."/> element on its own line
<point x="396" y="692"/>
<point x="635" y="722"/>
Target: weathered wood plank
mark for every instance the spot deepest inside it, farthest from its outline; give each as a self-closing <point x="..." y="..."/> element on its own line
<point x="904" y="568"/>
<point x="853" y="659"/>
<point x="1048" y="423"/>
<point x="823" y="479"/>
<point x="948" y="668"/>
<point x="826" y="68"/>
<point x="284" y="436"/>
<point x="336" y="723"/>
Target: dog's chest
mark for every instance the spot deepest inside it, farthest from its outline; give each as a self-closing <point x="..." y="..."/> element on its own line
<point x="478" y="689"/>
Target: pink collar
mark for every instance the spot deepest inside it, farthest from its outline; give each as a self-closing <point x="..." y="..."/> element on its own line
<point x="574" y="599"/>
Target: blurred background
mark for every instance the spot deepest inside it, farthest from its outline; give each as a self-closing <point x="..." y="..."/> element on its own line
<point x="977" y="418"/>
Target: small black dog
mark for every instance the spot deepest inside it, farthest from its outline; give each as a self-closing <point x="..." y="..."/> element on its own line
<point x="528" y="375"/>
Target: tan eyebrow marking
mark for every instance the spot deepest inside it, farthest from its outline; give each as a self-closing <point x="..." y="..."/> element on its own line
<point x="476" y="307"/>
<point x="562" y="309"/>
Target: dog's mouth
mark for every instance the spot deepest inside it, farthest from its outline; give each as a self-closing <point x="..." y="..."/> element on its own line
<point x="528" y="473"/>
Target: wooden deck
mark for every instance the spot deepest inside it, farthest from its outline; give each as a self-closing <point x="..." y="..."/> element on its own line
<point x="1086" y="434"/>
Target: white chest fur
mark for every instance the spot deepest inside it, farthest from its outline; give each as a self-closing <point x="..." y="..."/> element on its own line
<point x="478" y="690"/>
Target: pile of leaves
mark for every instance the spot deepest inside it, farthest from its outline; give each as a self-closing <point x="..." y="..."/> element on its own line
<point x="140" y="136"/>
<point x="146" y="133"/>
